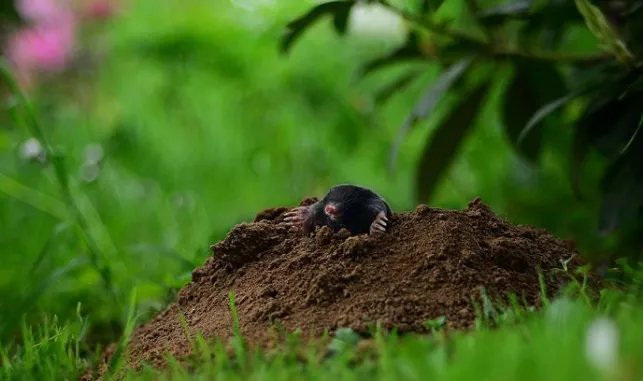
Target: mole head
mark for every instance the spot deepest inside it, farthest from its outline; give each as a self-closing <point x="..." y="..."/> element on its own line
<point x="333" y="209"/>
<point x="338" y="199"/>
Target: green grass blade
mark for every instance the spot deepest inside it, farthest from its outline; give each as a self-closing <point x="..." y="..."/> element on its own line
<point x="32" y="197"/>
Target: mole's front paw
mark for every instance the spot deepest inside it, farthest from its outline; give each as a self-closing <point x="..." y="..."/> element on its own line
<point x="379" y="224"/>
<point x="295" y="217"/>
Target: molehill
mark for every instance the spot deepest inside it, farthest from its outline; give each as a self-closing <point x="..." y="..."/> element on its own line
<point x="432" y="262"/>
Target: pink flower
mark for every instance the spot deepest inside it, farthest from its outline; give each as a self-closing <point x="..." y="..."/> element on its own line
<point x="41" y="10"/>
<point x="48" y="42"/>
<point x="41" y="47"/>
<point x="101" y="9"/>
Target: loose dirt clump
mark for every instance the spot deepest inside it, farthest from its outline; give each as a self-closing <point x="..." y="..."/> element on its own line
<point x="431" y="263"/>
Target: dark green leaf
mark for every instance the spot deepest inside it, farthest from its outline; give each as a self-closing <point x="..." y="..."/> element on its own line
<point x="8" y="12"/>
<point x="461" y="48"/>
<point x="499" y="14"/>
<point x="549" y="22"/>
<point x="443" y="145"/>
<point x="340" y="21"/>
<point x="633" y="138"/>
<point x="339" y="10"/>
<point x="436" y="90"/>
<point x="611" y="121"/>
<point x="580" y="149"/>
<point x="173" y="46"/>
<point x="543" y="112"/>
<point x="534" y="84"/>
<point x="588" y="128"/>
<point x="431" y="6"/>
<point x="634" y="6"/>
<point x="637" y="85"/>
<point x="601" y="28"/>
<point x="593" y="74"/>
<point x="399" y="84"/>
<point x="552" y="15"/>
<point x="622" y="188"/>
<point x="432" y="95"/>
<point x="408" y="52"/>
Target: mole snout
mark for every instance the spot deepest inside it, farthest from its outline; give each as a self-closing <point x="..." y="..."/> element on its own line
<point x="332" y="211"/>
<point x="355" y="208"/>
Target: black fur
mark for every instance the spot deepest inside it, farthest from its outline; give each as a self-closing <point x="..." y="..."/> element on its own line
<point x="358" y="207"/>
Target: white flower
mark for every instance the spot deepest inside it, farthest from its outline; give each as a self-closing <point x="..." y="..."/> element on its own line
<point x="602" y="341"/>
<point x="93" y="153"/>
<point x="89" y="172"/>
<point x="376" y="20"/>
<point x="31" y="149"/>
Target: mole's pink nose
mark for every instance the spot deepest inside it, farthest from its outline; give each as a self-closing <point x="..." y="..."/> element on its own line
<point x="330" y="210"/>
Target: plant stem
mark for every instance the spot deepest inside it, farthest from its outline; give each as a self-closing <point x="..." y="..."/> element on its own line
<point x="473" y="9"/>
<point x="487" y="46"/>
<point x="33" y="127"/>
<point x="552" y="56"/>
<point x="433" y="27"/>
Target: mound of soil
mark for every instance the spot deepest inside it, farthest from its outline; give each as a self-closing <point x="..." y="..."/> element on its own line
<point x="431" y="263"/>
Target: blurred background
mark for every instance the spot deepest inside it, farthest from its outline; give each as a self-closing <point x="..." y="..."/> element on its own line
<point x="176" y="120"/>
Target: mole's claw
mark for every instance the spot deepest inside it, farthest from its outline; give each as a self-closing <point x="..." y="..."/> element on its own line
<point x="293" y="218"/>
<point x="377" y="229"/>
<point x="379" y="224"/>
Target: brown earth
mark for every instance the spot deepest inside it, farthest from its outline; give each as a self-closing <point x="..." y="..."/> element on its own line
<point x="431" y="263"/>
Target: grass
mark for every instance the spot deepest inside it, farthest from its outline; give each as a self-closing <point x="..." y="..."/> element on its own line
<point x="567" y="339"/>
<point x="201" y="124"/>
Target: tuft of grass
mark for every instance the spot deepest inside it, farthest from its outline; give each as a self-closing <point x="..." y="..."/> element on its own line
<point x="117" y="360"/>
<point x="49" y="351"/>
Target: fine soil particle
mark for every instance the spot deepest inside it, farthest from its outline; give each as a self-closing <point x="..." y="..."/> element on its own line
<point x="431" y="263"/>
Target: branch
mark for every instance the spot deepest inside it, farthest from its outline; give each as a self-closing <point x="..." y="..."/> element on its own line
<point x="433" y="27"/>
<point x="487" y="46"/>
<point x="552" y="56"/>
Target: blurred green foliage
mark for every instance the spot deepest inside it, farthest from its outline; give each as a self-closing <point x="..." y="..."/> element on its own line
<point x="180" y="119"/>
<point x="526" y="38"/>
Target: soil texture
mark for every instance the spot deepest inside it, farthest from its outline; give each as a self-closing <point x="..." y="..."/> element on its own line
<point x="430" y="263"/>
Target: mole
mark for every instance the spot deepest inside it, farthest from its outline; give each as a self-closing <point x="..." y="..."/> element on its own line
<point x="356" y="208"/>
